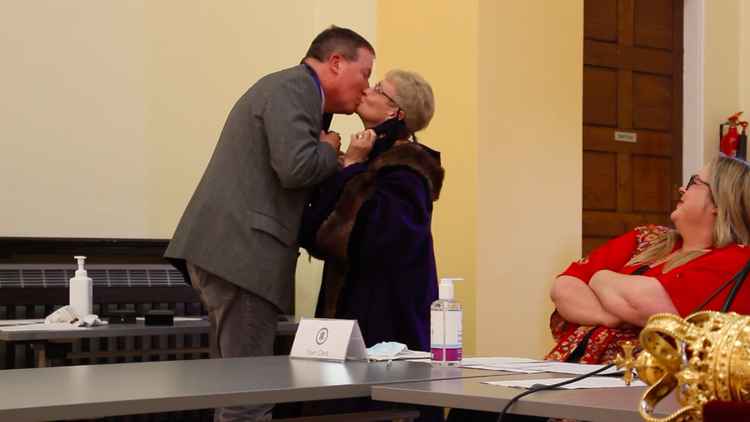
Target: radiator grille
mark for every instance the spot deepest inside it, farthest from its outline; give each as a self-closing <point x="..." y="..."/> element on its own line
<point x="50" y="275"/>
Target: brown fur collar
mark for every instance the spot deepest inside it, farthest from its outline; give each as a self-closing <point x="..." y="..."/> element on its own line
<point x="332" y="237"/>
<point x="414" y="156"/>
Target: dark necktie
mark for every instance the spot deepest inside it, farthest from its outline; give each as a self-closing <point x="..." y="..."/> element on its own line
<point x="325" y="123"/>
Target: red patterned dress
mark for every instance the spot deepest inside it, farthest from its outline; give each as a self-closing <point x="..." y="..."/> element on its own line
<point x="688" y="286"/>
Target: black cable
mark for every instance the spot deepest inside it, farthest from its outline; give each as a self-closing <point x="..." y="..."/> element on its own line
<point x="715" y="293"/>
<point x="549" y="387"/>
<point x="738" y="279"/>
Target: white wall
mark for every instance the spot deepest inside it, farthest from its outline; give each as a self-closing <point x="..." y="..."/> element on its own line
<point x="72" y="119"/>
<point x="111" y="109"/>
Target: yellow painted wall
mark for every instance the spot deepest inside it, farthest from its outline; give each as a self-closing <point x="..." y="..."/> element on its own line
<point x="507" y="76"/>
<point x="725" y="43"/>
<point x="529" y="195"/>
<point x="744" y="58"/>
<point x="438" y="38"/>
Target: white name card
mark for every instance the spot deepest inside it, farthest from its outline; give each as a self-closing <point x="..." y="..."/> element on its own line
<point x="329" y="339"/>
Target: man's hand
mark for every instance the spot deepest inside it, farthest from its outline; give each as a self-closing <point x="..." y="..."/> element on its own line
<point x="331" y="138"/>
<point x="360" y="146"/>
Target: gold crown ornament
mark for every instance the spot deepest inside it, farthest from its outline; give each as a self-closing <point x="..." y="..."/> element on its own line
<point x="705" y="357"/>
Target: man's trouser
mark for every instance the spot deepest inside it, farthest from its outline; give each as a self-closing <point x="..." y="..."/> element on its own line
<point x="242" y="324"/>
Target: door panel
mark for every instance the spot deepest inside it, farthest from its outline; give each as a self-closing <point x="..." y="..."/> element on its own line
<point x="652" y="102"/>
<point x="650" y="187"/>
<point x="653" y="23"/>
<point x="600" y="181"/>
<point x="599" y="87"/>
<point x="600" y="23"/>
<point x="632" y="84"/>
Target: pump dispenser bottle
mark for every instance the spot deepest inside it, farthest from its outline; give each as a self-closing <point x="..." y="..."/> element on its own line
<point x="445" y="325"/>
<point x="81" y="290"/>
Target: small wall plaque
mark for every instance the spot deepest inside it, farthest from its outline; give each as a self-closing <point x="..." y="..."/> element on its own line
<point x="631" y="137"/>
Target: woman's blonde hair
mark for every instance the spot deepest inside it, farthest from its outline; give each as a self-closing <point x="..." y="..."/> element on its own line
<point x="730" y="189"/>
<point x="414" y="96"/>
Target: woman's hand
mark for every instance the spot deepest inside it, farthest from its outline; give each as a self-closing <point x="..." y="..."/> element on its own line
<point x="360" y="145"/>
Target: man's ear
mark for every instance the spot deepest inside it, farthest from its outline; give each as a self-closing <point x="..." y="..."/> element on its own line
<point x="334" y="63"/>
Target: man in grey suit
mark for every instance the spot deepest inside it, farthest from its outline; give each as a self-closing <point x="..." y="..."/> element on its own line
<point x="237" y="239"/>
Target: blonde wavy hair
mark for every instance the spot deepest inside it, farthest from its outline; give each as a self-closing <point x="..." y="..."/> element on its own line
<point x="730" y="187"/>
<point x="414" y="96"/>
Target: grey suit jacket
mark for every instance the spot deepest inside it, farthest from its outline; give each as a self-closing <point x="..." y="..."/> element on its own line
<point x="242" y="221"/>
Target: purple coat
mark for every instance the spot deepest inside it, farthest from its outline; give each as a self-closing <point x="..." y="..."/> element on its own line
<point x="371" y="223"/>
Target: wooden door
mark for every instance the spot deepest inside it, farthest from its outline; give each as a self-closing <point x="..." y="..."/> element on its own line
<point x="632" y="90"/>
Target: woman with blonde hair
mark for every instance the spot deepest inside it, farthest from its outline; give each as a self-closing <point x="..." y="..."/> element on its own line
<point x="604" y="299"/>
<point x="371" y="222"/>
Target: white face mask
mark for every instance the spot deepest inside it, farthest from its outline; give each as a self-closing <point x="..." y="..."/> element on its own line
<point x="386" y="349"/>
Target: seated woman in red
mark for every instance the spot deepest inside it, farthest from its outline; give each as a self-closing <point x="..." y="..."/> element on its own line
<point x="604" y="299"/>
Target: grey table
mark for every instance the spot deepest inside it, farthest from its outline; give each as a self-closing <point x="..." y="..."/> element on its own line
<point x="40" y="339"/>
<point x="605" y="404"/>
<point x="90" y="391"/>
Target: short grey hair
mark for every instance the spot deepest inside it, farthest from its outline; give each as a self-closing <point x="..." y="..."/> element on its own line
<point x="414" y="96"/>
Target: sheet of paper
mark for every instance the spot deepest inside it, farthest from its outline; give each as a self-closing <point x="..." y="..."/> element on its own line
<point x="507" y="368"/>
<point x="531" y="366"/>
<point x="55" y="326"/>
<point x="590" y="382"/>
<point x="491" y="361"/>
<point x="507" y="364"/>
<point x="14" y="322"/>
<point x="571" y="368"/>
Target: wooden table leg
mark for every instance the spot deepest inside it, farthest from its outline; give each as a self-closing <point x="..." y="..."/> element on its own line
<point x="40" y="354"/>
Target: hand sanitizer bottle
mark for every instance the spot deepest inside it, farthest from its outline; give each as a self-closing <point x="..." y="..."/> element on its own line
<point x="445" y="325"/>
<point x="81" y="290"/>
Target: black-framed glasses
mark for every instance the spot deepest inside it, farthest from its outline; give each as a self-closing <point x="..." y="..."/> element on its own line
<point x="696" y="180"/>
<point x="379" y="89"/>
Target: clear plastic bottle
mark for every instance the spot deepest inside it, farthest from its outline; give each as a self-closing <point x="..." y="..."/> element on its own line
<point x="446" y="325"/>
